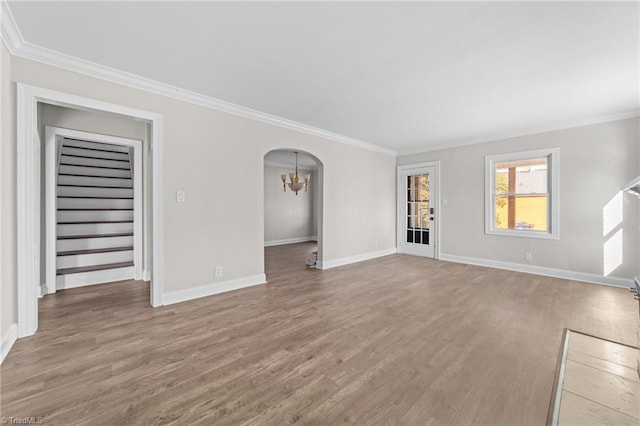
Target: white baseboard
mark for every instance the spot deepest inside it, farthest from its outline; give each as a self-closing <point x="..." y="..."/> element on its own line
<point x="290" y="241"/>
<point x="82" y="279"/>
<point x="211" y="289"/>
<point x="8" y="340"/>
<point x="334" y="263"/>
<point x="540" y="270"/>
<point x="146" y="275"/>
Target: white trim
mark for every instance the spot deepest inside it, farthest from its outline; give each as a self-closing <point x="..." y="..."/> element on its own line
<point x="528" y="132"/>
<point x="65" y="282"/>
<point x="328" y="264"/>
<point x="400" y="202"/>
<point x="290" y="241"/>
<point x="28" y="161"/>
<point x="51" y="166"/>
<point x="178" y="296"/>
<point x="540" y="270"/>
<point x="560" y="380"/>
<point x="30" y="51"/>
<point x="28" y="215"/>
<point x="8" y="339"/>
<point x="146" y="275"/>
<point x="553" y="183"/>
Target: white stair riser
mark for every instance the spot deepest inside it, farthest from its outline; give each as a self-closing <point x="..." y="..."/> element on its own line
<point x="93" y="162"/>
<point x="96" y="145"/>
<point x="94" y="228"/>
<point x="95" y="154"/>
<point x="92" y="171"/>
<point x="94" y="277"/>
<point x="94" y="216"/>
<point x="94" y="192"/>
<point x="94" y="181"/>
<point x="93" y="259"/>
<point x="97" y="203"/>
<point x="93" y="243"/>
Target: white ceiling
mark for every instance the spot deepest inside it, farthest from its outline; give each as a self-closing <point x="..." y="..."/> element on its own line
<point x="408" y="76"/>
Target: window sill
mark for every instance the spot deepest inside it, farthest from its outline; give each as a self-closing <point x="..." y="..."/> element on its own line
<point x="523" y="234"/>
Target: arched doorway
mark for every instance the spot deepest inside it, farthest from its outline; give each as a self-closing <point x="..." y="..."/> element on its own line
<point x="292" y="221"/>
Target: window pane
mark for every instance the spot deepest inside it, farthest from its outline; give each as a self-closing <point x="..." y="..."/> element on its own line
<point x="425" y="237"/>
<point x="409" y="236"/>
<point x="521" y="212"/>
<point x="521" y="176"/>
<point x="423" y="210"/>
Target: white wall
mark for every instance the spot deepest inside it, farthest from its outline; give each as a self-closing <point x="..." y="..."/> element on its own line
<point x="8" y="265"/>
<point x="102" y="123"/>
<point x="287" y="217"/>
<point x="596" y="162"/>
<point x="217" y="159"/>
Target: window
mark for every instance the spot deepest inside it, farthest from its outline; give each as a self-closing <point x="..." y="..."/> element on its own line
<point x="522" y="193"/>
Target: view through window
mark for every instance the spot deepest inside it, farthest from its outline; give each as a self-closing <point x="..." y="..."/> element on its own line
<point x="521" y="194"/>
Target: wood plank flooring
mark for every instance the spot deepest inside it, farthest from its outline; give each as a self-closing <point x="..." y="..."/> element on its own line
<point x="397" y="340"/>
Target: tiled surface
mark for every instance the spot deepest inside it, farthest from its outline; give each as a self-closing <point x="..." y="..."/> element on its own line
<point x="600" y="384"/>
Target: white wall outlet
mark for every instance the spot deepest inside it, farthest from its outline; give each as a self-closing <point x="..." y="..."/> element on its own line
<point x="217" y="272"/>
<point x="527" y="255"/>
<point x="180" y="196"/>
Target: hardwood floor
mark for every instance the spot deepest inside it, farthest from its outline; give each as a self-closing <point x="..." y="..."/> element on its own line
<point x="396" y="340"/>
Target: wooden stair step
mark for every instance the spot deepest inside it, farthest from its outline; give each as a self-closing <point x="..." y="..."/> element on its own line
<point x="93" y="222"/>
<point x="93" y="158"/>
<point x="94" y="186"/>
<point x="78" y="237"/>
<point x="94" y="176"/>
<point x="75" y="209"/>
<point x="94" y="251"/>
<point x="77" y="270"/>
<point x="95" y="198"/>
<point x="95" y="167"/>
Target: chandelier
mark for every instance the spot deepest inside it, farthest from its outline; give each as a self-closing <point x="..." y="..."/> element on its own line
<point x="294" y="182"/>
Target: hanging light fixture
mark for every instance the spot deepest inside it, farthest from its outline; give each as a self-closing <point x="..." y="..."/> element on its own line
<point x="294" y="182"/>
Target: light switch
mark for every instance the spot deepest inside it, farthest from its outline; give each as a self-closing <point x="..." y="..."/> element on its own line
<point x="180" y="196"/>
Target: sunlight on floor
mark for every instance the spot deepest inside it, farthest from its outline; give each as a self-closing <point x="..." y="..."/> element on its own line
<point x="599" y="384"/>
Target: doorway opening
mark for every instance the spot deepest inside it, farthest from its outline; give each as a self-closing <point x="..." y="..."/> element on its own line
<point x="94" y="211"/>
<point x="292" y="220"/>
<point x="30" y="203"/>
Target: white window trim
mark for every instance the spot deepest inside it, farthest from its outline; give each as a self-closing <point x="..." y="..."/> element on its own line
<point x="554" y="193"/>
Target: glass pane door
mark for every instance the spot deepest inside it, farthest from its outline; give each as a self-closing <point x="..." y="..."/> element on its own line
<point x="418" y="209"/>
<point x="417" y="195"/>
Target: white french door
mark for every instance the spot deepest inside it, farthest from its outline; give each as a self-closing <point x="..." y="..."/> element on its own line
<point x="417" y="210"/>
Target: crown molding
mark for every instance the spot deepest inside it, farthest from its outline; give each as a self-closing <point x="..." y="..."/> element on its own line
<point x="19" y="47"/>
<point x="11" y="35"/>
<point x="534" y="131"/>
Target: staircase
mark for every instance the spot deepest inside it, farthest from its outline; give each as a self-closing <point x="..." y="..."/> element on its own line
<point x="94" y="217"/>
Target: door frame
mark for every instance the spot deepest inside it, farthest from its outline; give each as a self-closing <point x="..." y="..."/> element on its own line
<point x="28" y="207"/>
<point x="400" y="219"/>
<point x="53" y="136"/>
